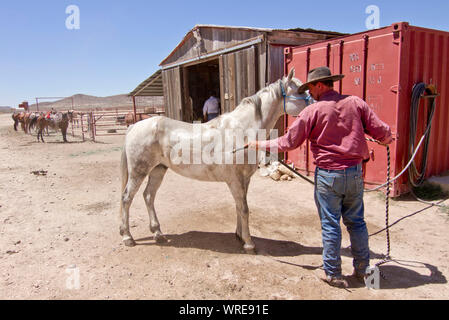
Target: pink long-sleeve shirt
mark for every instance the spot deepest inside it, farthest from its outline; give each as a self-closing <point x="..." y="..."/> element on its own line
<point x="335" y="127"/>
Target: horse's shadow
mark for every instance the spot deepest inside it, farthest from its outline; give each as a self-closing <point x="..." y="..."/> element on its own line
<point x="62" y="142"/>
<point x="229" y="243"/>
<point x="397" y="277"/>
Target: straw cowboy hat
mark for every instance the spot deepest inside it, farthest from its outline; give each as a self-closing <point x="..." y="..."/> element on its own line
<point x="319" y="74"/>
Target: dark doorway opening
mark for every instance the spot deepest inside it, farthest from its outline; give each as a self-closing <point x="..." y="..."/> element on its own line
<point x="199" y="81"/>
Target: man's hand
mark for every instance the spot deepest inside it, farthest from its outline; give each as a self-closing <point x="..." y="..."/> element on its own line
<point x="386" y="141"/>
<point x="252" y="145"/>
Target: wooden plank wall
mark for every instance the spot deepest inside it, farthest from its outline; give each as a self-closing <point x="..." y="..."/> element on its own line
<point x="238" y="77"/>
<point x="209" y="39"/>
<point x="172" y="80"/>
<point x="276" y="72"/>
<point x="275" y="63"/>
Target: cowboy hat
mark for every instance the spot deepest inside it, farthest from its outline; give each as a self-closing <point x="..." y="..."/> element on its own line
<point x="317" y="75"/>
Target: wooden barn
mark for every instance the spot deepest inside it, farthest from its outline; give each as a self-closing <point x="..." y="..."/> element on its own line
<point x="235" y="62"/>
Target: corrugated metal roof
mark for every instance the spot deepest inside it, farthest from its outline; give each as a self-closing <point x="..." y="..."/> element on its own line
<point x="150" y="87"/>
<point x="309" y="30"/>
<point x="261" y="30"/>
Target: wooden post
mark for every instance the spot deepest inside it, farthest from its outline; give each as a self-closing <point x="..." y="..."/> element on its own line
<point x="92" y="125"/>
<point x="134" y="109"/>
<point x="82" y="127"/>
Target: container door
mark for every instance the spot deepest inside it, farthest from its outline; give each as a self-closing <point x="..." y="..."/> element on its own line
<point x="298" y="157"/>
<point x="381" y="94"/>
<point x="304" y="60"/>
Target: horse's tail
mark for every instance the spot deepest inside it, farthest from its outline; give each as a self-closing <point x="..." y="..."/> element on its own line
<point x="124" y="174"/>
<point x="16" y="121"/>
<point x="124" y="169"/>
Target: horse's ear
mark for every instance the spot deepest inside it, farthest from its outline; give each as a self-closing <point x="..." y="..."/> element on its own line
<point x="291" y="75"/>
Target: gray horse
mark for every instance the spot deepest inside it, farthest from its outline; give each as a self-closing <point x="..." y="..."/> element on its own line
<point x="55" y="121"/>
<point x="153" y="145"/>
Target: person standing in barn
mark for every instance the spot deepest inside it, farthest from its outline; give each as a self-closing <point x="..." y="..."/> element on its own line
<point x="335" y="126"/>
<point x="211" y="108"/>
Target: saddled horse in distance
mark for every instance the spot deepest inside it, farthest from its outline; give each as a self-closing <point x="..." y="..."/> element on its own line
<point x="150" y="144"/>
<point x="15" y="118"/>
<point x="19" y="117"/>
<point x="30" y="121"/>
<point x="25" y="119"/>
<point x="56" y="121"/>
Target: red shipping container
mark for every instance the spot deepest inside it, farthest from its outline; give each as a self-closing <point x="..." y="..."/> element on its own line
<point x="382" y="66"/>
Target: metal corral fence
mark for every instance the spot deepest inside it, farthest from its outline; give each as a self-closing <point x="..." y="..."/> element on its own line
<point x="92" y="124"/>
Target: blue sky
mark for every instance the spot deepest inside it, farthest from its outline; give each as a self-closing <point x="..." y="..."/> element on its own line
<point x="121" y="43"/>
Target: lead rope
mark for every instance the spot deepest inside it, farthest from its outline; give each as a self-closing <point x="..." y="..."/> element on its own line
<point x="387" y="257"/>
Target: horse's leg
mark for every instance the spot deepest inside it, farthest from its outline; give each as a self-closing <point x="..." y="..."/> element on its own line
<point x="134" y="181"/>
<point x="41" y="134"/>
<point x="238" y="230"/>
<point x="64" y="134"/>
<point x="154" y="182"/>
<point x="239" y="190"/>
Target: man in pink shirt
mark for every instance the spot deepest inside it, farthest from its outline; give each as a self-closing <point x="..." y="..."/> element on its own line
<point x="336" y="127"/>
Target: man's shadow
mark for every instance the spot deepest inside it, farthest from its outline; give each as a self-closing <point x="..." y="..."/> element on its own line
<point x="398" y="275"/>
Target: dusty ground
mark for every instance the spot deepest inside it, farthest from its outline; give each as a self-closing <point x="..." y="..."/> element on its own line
<point x="64" y="223"/>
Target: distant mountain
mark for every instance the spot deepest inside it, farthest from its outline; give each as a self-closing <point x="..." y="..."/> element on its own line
<point x="6" y="109"/>
<point x="86" y="102"/>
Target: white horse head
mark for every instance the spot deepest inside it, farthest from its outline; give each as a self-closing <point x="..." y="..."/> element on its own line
<point x="293" y="102"/>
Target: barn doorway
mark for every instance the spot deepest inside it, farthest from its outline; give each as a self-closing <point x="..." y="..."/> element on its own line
<point x="199" y="81"/>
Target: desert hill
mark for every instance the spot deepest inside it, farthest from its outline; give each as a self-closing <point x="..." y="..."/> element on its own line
<point x="87" y="102"/>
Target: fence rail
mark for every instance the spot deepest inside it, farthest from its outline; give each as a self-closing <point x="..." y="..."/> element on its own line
<point x="92" y="124"/>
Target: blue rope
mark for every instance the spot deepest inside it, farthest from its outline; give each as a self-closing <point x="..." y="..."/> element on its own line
<point x="306" y="99"/>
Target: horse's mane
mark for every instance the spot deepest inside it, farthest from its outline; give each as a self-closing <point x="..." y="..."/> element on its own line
<point x="255" y="100"/>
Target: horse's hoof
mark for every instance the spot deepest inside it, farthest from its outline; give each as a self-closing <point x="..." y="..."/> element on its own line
<point x="129" y="242"/>
<point x="155" y="229"/>
<point x="250" y="249"/>
<point x="160" y="238"/>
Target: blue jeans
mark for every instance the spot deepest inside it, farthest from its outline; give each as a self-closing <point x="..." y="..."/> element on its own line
<point x="339" y="193"/>
<point x="211" y="116"/>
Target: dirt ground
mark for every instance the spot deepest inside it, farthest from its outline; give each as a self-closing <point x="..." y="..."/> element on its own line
<point x="60" y="237"/>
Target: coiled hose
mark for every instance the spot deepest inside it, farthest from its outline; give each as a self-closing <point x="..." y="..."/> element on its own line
<point x="417" y="176"/>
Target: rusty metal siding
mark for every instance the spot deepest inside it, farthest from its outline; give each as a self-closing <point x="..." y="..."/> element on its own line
<point x="382" y="66"/>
